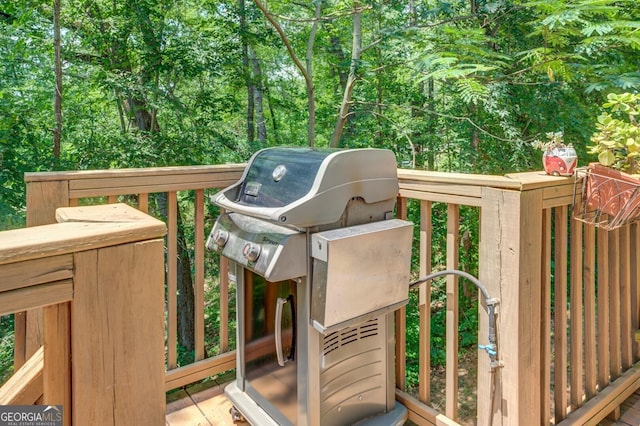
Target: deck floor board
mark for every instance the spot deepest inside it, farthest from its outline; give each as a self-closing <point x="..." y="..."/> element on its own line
<point x="629" y="413"/>
<point x="210" y="407"/>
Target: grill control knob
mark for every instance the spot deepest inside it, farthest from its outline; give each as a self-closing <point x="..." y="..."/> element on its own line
<point x="220" y="237"/>
<point x="251" y="252"/>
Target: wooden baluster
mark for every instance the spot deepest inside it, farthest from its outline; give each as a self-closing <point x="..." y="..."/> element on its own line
<point x="143" y="202"/>
<point x="614" y="304"/>
<point x="453" y="227"/>
<point x="198" y="310"/>
<point x="560" y="313"/>
<point x="576" y="314"/>
<point x="172" y="281"/>
<point x="626" y="328"/>
<point x="424" y="369"/>
<point x="56" y="380"/>
<point x="589" y="283"/>
<point x="635" y="291"/>
<point x="603" y="308"/>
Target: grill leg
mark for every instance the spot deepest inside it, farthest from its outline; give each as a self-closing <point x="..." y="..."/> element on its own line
<point x="236" y="415"/>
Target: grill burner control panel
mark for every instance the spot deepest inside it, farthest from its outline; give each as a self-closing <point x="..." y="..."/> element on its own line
<point x="275" y="252"/>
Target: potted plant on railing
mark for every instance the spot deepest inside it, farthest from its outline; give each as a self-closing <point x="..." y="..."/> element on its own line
<point x="611" y="195"/>
<point x="558" y="158"/>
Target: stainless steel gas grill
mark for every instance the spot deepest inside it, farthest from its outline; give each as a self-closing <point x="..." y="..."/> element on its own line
<point x="320" y="266"/>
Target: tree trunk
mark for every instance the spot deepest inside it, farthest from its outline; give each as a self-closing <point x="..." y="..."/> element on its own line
<point x="306" y="71"/>
<point x="336" y="49"/>
<point x="186" y="295"/>
<point x="144" y="119"/>
<point x="379" y="135"/>
<point x="121" y="113"/>
<point x="431" y="156"/>
<point x="247" y="73"/>
<point x="311" y="96"/>
<point x="274" y="122"/>
<point x="356" y="51"/>
<point x="57" y="98"/>
<point x="258" y="97"/>
<point x="417" y="103"/>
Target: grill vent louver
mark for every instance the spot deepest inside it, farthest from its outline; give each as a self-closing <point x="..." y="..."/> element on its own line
<point x="341" y="338"/>
<point x="353" y="375"/>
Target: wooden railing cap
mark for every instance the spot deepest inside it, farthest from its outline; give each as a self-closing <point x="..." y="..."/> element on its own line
<point x="535" y="180"/>
<point x="516" y="181"/>
<point x="457" y="178"/>
<point x="80" y="228"/>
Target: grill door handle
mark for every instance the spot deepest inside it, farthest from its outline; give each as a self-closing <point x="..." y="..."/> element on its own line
<point x="278" y="332"/>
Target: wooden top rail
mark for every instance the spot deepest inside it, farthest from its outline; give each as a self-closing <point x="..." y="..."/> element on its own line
<point x="96" y="183"/>
<point x="132" y="172"/>
<point x="88" y="183"/>
<point x="36" y="264"/>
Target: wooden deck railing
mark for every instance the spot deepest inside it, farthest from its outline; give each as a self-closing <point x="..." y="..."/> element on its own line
<point x="569" y="301"/>
<point x="97" y="277"/>
<point x="568" y="298"/>
<point x="46" y="191"/>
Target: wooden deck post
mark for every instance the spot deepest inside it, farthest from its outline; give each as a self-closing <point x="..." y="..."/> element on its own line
<point x="43" y="198"/>
<point x="117" y="318"/>
<point x="56" y="384"/>
<point x="117" y="335"/>
<point x="510" y="254"/>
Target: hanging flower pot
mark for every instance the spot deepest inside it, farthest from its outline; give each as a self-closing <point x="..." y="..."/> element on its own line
<point x="611" y="195"/>
<point x="610" y="198"/>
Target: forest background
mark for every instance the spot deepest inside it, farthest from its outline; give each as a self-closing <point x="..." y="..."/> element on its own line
<point x="458" y="85"/>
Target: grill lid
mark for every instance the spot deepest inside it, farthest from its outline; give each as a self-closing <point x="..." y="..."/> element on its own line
<point x="306" y="186"/>
<point x="280" y="176"/>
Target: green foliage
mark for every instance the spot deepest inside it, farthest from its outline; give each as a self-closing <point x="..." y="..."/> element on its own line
<point x="617" y="136"/>
<point x="212" y="300"/>
<point x="467" y="329"/>
<point x="447" y="85"/>
<point x="6" y="347"/>
<point x="554" y="140"/>
<point x="26" y="112"/>
<point x="468" y="302"/>
<point x="590" y="40"/>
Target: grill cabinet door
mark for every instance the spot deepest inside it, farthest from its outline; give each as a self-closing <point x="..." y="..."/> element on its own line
<point x="274" y="387"/>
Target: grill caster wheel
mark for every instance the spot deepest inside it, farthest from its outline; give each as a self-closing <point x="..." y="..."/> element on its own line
<point x="236" y="415"/>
